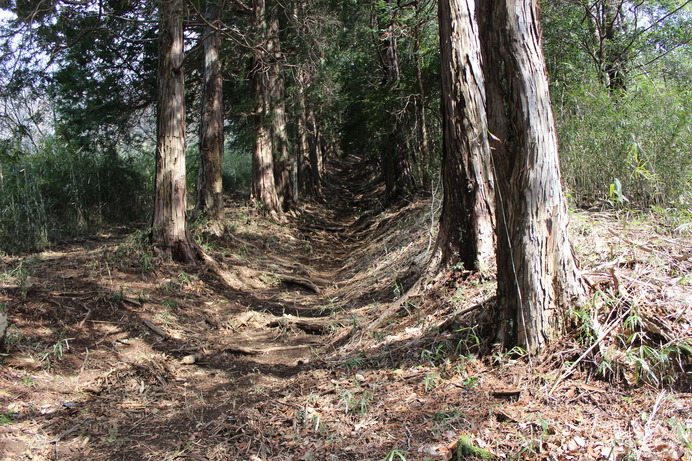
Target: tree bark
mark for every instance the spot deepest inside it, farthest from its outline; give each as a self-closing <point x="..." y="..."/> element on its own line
<point x="209" y="182"/>
<point x="283" y="162"/>
<point x="466" y="225"/>
<point x="605" y="24"/>
<point x="537" y="273"/>
<point x="309" y="175"/>
<point x="317" y="153"/>
<point x="424" y="144"/>
<point x="395" y="161"/>
<point x="170" y="236"/>
<point x="263" y="184"/>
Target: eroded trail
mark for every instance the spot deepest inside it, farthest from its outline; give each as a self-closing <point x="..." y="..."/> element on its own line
<point x="114" y="357"/>
<point x="289" y="346"/>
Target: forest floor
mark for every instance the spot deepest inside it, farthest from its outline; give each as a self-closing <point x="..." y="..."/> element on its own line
<point x="316" y="339"/>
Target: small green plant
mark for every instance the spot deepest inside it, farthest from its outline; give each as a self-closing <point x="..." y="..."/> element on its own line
<point x="396" y="454"/>
<point x="615" y="194"/>
<point x="55" y="352"/>
<point x="354" y="363"/>
<point x="683" y="432"/>
<point x="469" y="382"/>
<point x="448" y="419"/>
<point x="356" y="401"/>
<point x="430" y="381"/>
<point x="28" y="381"/>
<point x="7" y="417"/>
<point x="13" y="336"/>
<point x="516" y="353"/>
<point x="331" y="306"/>
<point x="113" y="435"/>
<point x="468" y="341"/>
<point x="437" y="353"/>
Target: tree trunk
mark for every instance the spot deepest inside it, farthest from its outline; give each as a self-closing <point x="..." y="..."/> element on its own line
<point x="466" y="226"/>
<point x="209" y="182"/>
<point x="309" y="172"/>
<point x="302" y="132"/>
<point x="395" y="161"/>
<point x="605" y="23"/>
<point x="316" y="150"/>
<point x="263" y="184"/>
<point x="423" y="160"/>
<point x="283" y="163"/>
<point x="537" y="273"/>
<point x="170" y="236"/>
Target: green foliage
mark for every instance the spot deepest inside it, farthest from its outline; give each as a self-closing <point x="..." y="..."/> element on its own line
<point x="237" y="168"/>
<point x="370" y="106"/>
<point x="639" y="134"/>
<point x="396" y="455"/>
<point x="60" y="192"/>
<point x="642" y="139"/>
<point x="356" y="400"/>
<point x="7" y="417"/>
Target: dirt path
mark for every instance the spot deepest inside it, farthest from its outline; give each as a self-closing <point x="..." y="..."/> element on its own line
<point x="114" y="357"/>
<point x="270" y="355"/>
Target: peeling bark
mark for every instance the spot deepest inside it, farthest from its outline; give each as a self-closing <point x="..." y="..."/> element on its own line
<point x="537" y="273"/>
<point x="170" y="236"/>
<point x="209" y="182"/>
<point x="466" y="224"/>
<point x="264" y="189"/>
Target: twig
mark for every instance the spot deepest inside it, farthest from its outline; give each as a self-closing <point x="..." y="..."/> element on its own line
<point x="156" y="329"/>
<point x="586" y="352"/>
<point x="647" y="433"/>
<point x="625" y="239"/>
<point x="86" y="317"/>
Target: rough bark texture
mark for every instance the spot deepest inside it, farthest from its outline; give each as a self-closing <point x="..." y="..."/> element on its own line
<point x="209" y="182"/>
<point x="309" y="175"/>
<point x="466" y="224"/>
<point x="537" y="273"/>
<point x="263" y="185"/>
<point x="283" y="163"/>
<point x="395" y="161"/>
<point x="3" y="326"/>
<point x="424" y="144"/>
<point x="170" y="235"/>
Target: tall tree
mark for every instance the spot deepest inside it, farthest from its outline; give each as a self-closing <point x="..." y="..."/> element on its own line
<point x="537" y="273"/>
<point x="170" y="235"/>
<point x="619" y="37"/>
<point x="284" y="164"/>
<point x="466" y="224"/>
<point x="307" y="21"/>
<point x="209" y="182"/>
<point x="395" y="161"/>
<point x="264" y="189"/>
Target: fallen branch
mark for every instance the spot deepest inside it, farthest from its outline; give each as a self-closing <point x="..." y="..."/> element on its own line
<point x="156" y="329"/>
<point x="625" y="239"/>
<point x="449" y="322"/>
<point x="241" y="350"/>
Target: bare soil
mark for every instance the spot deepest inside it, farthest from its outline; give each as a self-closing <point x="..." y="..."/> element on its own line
<point x="315" y="339"/>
